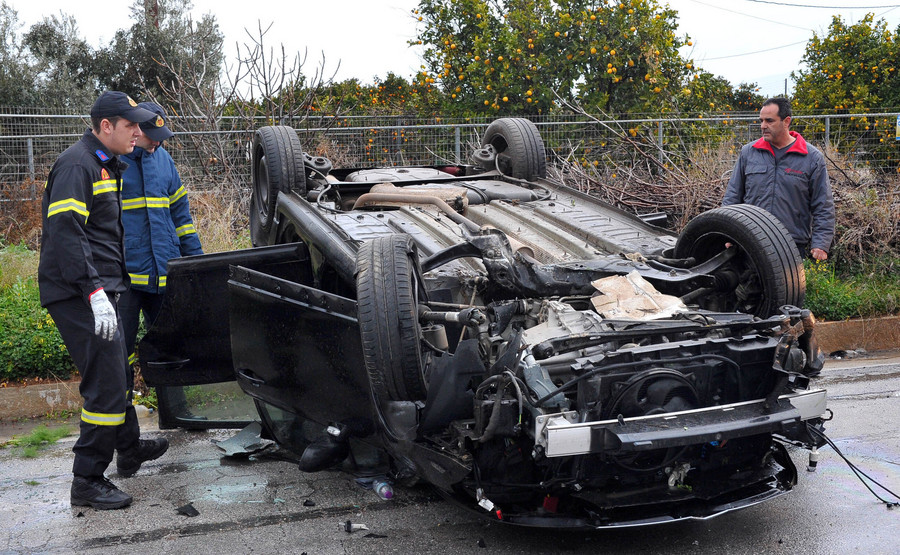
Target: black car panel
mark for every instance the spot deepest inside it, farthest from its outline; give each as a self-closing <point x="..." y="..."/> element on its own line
<point x="190" y="341"/>
<point x="297" y="348"/>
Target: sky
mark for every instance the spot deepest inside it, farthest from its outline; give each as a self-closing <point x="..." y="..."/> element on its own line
<point x="752" y="41"/>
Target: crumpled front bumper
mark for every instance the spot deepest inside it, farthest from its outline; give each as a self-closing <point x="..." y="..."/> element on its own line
<point x="559" y="435"/>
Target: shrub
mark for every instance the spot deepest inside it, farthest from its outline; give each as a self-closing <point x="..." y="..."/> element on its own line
<point x="866" y="291"/>
<point x="30" y="345"/>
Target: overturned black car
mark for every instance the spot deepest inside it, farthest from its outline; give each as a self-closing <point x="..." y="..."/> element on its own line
<point x="536" y="355"/>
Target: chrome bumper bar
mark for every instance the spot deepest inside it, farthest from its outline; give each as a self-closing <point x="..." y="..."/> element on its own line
<point x="559" y="435"/>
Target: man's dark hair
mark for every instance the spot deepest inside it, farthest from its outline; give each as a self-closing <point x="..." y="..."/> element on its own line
<point x="95" y="122"/>
<point x="784" y="106"/>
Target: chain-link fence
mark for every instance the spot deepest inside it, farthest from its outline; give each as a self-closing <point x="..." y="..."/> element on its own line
<point x="213" y="154"/>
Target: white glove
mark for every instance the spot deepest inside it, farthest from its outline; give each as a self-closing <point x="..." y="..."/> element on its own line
<point x="105" y="320"/>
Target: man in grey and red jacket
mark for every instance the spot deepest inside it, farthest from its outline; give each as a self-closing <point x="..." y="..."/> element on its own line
<point x="786" y="176"/>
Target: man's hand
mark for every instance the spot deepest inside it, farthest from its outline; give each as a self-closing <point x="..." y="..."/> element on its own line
<point x="105" y="320"/>
<point x="819" y="254"/>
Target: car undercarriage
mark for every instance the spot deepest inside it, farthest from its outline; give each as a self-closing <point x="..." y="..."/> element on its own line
<point x="534" y="354"/>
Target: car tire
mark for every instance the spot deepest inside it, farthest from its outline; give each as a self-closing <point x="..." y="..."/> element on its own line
<point x="277" y="166"/>
<point x="518" y="146"/>
<point x="388" y="286"/>
<point x="768" y="261"/>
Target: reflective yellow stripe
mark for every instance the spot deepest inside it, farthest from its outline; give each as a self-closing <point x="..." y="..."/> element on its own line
<point x="162" y="281"/>
<point x="157" y="202"/>
<point x="101" y="419"/>
<point x="131" y="358"/>
<point x="132" y="203"/>
<point x="104" y="186"/>
<point x="139" y="279"/>
<point x="178" y="194"/>
<point x="186" y="229"/>
<point x="67" y="205"/>
<point x="145" y="202"/>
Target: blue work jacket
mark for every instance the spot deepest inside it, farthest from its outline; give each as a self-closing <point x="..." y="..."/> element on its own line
<point x="157" y="218"/>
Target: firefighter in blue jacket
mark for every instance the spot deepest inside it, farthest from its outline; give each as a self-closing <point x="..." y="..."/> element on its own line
<point x="81" y="275"/>
<point x="158" y="227"/>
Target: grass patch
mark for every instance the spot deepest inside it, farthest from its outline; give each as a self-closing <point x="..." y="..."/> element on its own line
<point x="39" y="439"/>
<point x="866" y="290"/>
<point x="17" y="262"/>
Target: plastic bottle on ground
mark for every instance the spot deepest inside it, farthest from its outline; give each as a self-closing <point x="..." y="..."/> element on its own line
<point x="383" y="488"/>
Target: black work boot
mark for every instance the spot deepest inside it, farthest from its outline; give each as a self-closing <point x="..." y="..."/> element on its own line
<point x="98" y="492"/>
<point x="128" y="462"/>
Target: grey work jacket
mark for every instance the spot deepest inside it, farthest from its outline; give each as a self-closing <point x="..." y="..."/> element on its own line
<point x="796" y="191"/>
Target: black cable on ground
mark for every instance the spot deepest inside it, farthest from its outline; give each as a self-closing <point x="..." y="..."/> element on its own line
<point x="856" y="470"/>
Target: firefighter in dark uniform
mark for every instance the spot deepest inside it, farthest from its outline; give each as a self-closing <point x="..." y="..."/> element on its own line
<point x="81" y="274"/>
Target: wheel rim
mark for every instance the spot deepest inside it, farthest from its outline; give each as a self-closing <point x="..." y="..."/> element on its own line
<point x="262" y="187"/>
<point x="750" y="293"/>
<point x="418" y="291"/>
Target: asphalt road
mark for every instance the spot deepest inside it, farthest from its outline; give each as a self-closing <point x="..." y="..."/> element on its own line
<point x="266" y="505"/>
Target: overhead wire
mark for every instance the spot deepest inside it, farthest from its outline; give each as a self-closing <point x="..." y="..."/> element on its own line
<point x="788" y="4"/>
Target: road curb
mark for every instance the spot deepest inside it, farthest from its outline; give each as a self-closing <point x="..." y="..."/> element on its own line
<point x="41" y="399"/>
<point x="871" y="334"/>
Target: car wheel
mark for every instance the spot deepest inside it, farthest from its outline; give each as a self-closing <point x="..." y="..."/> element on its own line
<point x="768" y="269"/>
<point x="277" y="166"/>
<point x="388" y="286"/>
<point x="518" y="146"/>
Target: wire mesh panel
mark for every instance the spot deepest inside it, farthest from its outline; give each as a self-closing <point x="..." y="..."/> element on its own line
<point x="213" y="153"/>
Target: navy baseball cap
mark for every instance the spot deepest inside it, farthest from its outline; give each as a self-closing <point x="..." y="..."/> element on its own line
<point x="118" y="104"/>
<point x="156" y="127"/>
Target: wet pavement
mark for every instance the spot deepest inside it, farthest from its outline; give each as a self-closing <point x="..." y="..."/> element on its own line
<point x="264" y="504"/>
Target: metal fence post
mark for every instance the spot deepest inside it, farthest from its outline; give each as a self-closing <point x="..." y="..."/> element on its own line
<point x="457" y="143"/>
<point x="30" y="143"/>
<point x="827" y="130"/>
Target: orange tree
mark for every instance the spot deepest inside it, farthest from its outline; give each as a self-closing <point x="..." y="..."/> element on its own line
<point x="391" y="95"/>
<point x="522" y="56"/>
<point x="854" y="69"/>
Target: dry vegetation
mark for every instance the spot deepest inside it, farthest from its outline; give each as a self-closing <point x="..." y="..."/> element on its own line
<point x="867" y="203"/>
<point x="20" y="213"/>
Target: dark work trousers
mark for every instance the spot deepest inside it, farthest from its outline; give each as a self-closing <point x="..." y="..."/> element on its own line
<point x="108" y="419"/>
<point x="131" y="304"/>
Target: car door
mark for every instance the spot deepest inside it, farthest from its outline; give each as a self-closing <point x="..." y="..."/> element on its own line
<point x="251" y="316"/>
<point x="186" y="353"/>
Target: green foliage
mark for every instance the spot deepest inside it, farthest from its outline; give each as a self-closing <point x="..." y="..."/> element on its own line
<point x="30" y="345"/>
<point x="66" y="67"/>
<point x="854" y="69"/>
<point x="162" y="47"/>
<point x="17" y="86"/>
<point x="868" y="291"/>
<point x="40" y="438"/>
<point x="147" y="398"/>
<point x="393" y="95"/>
<point x="516" y="56"/>
<point x="16" y="262"/>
